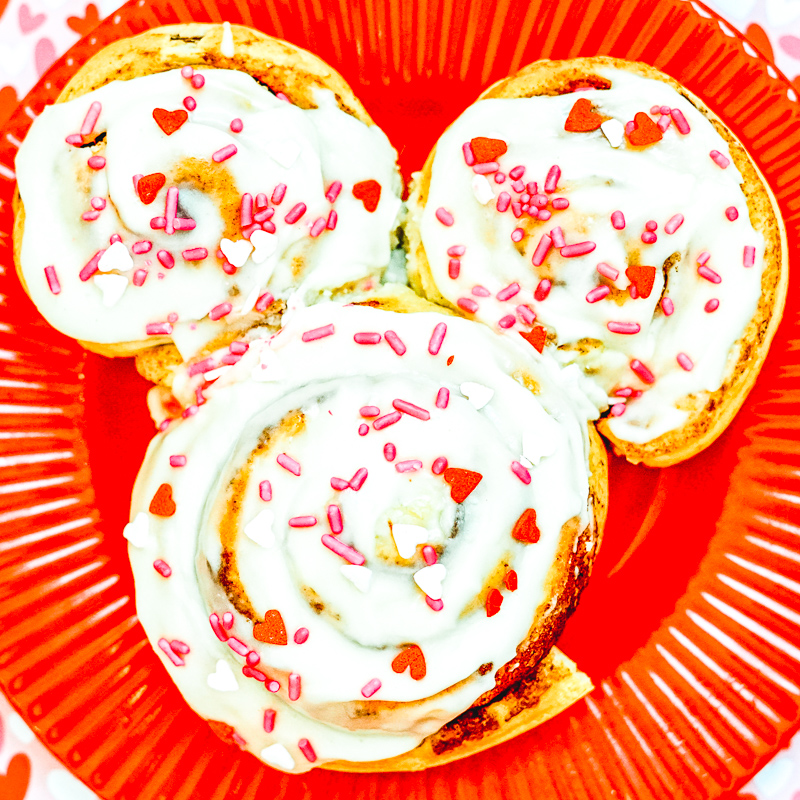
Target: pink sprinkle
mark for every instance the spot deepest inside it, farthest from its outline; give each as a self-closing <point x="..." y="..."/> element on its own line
<point x="171" y="655"/>
<point x="189" y="103"/>
<point x="516" y="209"/>
<point x="655" y="110"/>
<point x="389" y="452"/>
<point x="542" y="290"/>
<point x="541" y="250"/>
<point x="665" y="109"/>
<point x="453" y="268"/>
<point x="198" y="81"/>
<point x="525" y="314"/>
<point x="341" y="549"/>
<point x="238" y="348"/>
<point x="371" y="687"/>
<point x="237" y="125"/>
<point x="663" y="123"/>
<point x="394" y="341"/>
<point x="642" y="371"/>
<point x="181" y="224"/>
<point x="469" y="156"/>
<point x="412" y="465"/>
<point x="685" y="362"/>
<point x="295" y="213"/>
<point x="618" y="409"/>
<point x="249" y="672"/>
<point x="269" y="720"/>
<point x="673" y="223"/>
<point x="711" y="306"/>
<point x="618" y="221"/>
<point x="265" y="491"/>
<point x="139" y="248"/>
<point x="75" y="139"/>
<point x="624" y="327"/>
<point x="278" y="194"/>
<point x="499" y="177"/>
<point x="629" y="126"/>
<point x="115" y="237"/>
<point x="96" y="162"/>
<point x="339" y="484"/>
<point x="521" y="472"/>
<point x="598" y="293"/>
<point x="301" y="636"/>
<point x="429" y="554"/>
<point x="357" y="481"/>
<point x="294" y="692"/>
<point x="720" y="160"/>
<point x="216" y="626"/>
<point x="519" y="186"/>
<point x="253" y="658"/>
<point x="369" y="411"/>
<point x="195" y="254"/>
<point x="224" y="153"/>
<point x="508" y="321"/>
<point x="363" y="429"/>
<point x="481" y="291"/>
<point x="98" y="203"/>
<point x="626" y="392"/>
<point x="162" y="568"/>
<point x="52" y="280"/>
<point x="289" y="464"/>
<point x="539" y="200"/>
<point x="667" y="306"/>
<point x="139" y="277"/>
<point x="386" y="420"/>
<point x="749" y="256"/>
<point x="158" y="223"/>
<point x="335" y="519"/>
<point x="456" y="250"/>
<point x="273" y="686"/>
<point x="436" y="605"/>
<point x="680" y="121"/>
<point x="91" y="266"/>
<point x="439" y="465"/>
<point x="246" y="210"/>
<point x="503" y="201"/>
<point x="90" y="120"/>
<point x="333" y="191"/>
<point x="437" y="338"/>
<point x="651" y="225"/>
<point x="172" y="317"/>
<point x="551" y="181"/>
<point x="177" y="461"/>
<point x="318" y="227"/>
<point x="732" y="213"/>
<point x="318" y="333"/>
<point x="305" y="746"/>
<point x="516" y="173"/>
<point x="649" y="238"/>
<point x="544" y="215"/>
<point x="264" y="302"/>
<point x="302" y="522"/>
<point x="411" y="409"/>
<point x="560" y="203"/>
<point x="709" y="274"/>
<point x="444" y="216"/>
<point x="190" y="411"/>
<point x="517" y="234"/>
<point x="468" y="304"/>
<point x="238" y="646"/>
<point x="557" y="235"/>
<point x="442" y="397"/>
<point x="703" y="258"/>
<point x="367" y="338"/>
<point x="201" y="366"/>
<point x="487" y="168"/>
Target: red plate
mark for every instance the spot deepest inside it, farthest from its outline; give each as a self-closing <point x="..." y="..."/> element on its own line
<point x="690" y="626"/>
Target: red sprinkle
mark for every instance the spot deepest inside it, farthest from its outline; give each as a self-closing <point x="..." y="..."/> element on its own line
<point x="288" y="463"/>
<point x="333" y="191"/>
<point x="305" y="746"/>
<point x="394" y="341"/>
<point x="318" y="333"/>
<point x="96" y="162"/>
<point x="301" y="636"/>
<point x="237" y="125"/>
<point x="369" y="411"/>
<point x="437" y="338"/>
<point x="367" y="338"/>
<point x="521" y="472"/>
<point x="444" y="216"/>
<point x="386" y="420"/>
<point x="52" y="279"/>
<point x="198" y="81"/>
<point x="469" y="157"/>
<point x="429" y="554"/>
<point x="363" y="429"/>
<point x="411" y="409"/>
<point x="189" y="103"/>
<point x="503" y="201"/>
<point x="709" y="274"/>
<point x="295" y="213"/>
<point x="195" y="254"/>
<point x="732" y="213"/>
<point x="456" y="250"/>
<point x="264" y="302"/>
<point x="177" y="461"/>
<point x="171" y="655"/>
<point x="560" y="203"/>
<point x="711" y="306"/>
<point x="339" y="484"/>
<point x="649" y="237"/>
<point x="139" y="277"/>
<point x="302" y="522"/>
<point x="642" y="371"/>
<point x="216" y="626"/>
<point x="389" y="452"/>
<point x="439" y="465"/>
<point x="618" y="220"/>
<point x="517" y="235"/>
<point x="224" y="153"/>
<point x="525" y="314"/>
<point x="516" y="173"/>
<point x="317" y="227"/>
<point x="624" y="327"/>
<point x="580" y="249"/>
<point x="436" y="605"/>
<point x="265" y="491"/>
<point x="557" y="235"/>
<point x="162" y="568"/>
<point x="542" y="290"/>
<point x="294" y="694"/>
<point x="453" y="268"/>
<point x="507" y="321"/>
<point x="269" y="720"/>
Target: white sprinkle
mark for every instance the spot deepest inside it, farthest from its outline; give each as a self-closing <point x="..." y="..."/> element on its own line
<point x="482" y="189"/>
<point x="407" y="537"/>
<point x="276" y="755"/>
<point x="112" y="287"/>
<point x="223" y="680"/>
<point x="478" y="394"/>
<point x="213" y="374"/>
<point x="429" y="579"/>
<point x="284" y="151"/>
<point x="259" y="529"/>
<point x="360" y="577"/>
<point x="540" y="442"/>
<point x="137" y="532"/>
<point x="614" y="131"/>
<point x="226" y="47"/>
<point x="236" y="252"/>
<point x="265" y="243"/>
<point x="115" y="257"/>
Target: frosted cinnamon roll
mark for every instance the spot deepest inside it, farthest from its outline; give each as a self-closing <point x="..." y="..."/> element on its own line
<point x="597" y="205"/>
<point x="193" y="177"/>
<point x="375" y="522"/>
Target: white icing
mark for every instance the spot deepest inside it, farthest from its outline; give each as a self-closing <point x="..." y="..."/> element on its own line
<point x="674" y="176"/>
<point x="368" y="612"/>
<point x="315" y="148"/>
<point x="226" y="45"/>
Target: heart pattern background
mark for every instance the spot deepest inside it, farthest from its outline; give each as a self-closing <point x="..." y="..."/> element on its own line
<point x="33" y="33"/>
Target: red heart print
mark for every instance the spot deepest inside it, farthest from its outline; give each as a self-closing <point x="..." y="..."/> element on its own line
<point x="169" y="121"/>
<point x="369" y="193"/>
<point x="510" y="580"/>
<point x="645" y="132"/>
<point x="486" y="150"/>
<point x="462" y="482"/>
<point x="642" y="278"/>
<point x="29" y="22"/>
<point x="272" y="630"/>
<point x="14" y="784"/>
<point x="162" y="504"/>
<point x="493" y="602"/>
<point x="149" y="186"/>
<point x="410" y="656"/>
<point x="87" y="23"/>
<point x="582" y="117"/>
<point x="536" y="336"/>
<point x="525" y="529"/>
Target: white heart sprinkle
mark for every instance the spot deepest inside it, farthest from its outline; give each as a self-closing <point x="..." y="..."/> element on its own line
<point x="213" y="374"/>
<point x="112" y="287"/>
<point x="236" y="252"/>
<point x="22" y="733"/>
<point x="269" y="367"/>
<point x="265" y="245"/>
<point x="540" y="443"/>
<point x="115" y="257"/>
<point x="482" y="189"/>
<point x="478" y="394"/>
<point x="223" y="680"/>
<point x="407" y="537"/>
<point x="137" y="532"/>
<point x="360" y="577"/>
<point x="226" y="46"/>
<point x="284" y="151"/>
<point x="614" y="131"/>
<point x="259" y="529"/>
<point x="276" y="755"/>
<point x="429" y="579"/>
<point x="64" y="786"/>
<point x="249" y="302"/>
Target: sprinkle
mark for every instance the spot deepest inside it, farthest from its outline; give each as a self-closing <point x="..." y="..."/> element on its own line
<point x="444" y="216"/>
<point x="516" y="173"/>
<point x="369" y="411"/>
<point x="301" y="636"/>
<point x="341" y="549"/>
<point x="685" y="362"/>
<point x="516" y="209"/>
<point x="517" y="235"/>
<point x="264" y="302"/>
<point x="288" y="463"/>
<point x="580" y="249"/>
<point x="220" y="311"/>
<point x="158" y="328"/>
<point x="269" y="720"/>
<point x="649" y="238"/>
<point x="216" y="626"/>
<point x="333" y="191"/>
<point x="238" y="646"/>
<point x="265" y="491"/>
<point x="371" y="687"/>
<point x="542" y="249"/>
<point x="335" y="519"/>
<point x="557" y="235"/>
<point x="162" y="568"/>
<point x="521" y="472"/>
<point x="139" y="277"/>
<point x="543" y="215"/>
<point x="224" y="153"/>
<point x="96" y="162"/>
<point x="189" y="103"/>
<point x="499" y="177"/>
<point x="318" y="333"/>
<point x="357" y="481"/>
<point x="525" y="314"/>
<point x="642" y="371"/>
<point x="711" y="306"/>
<point x="663" y="123"/>
<point x="411" y="409"/>
<point x="439" y="465"/>
<point x="172" y="656"/>
<point x="389" y="452"/>
<point x="480" y="291"/>
<point x="437" y="338"/>
<point x="507" y="321"/>
<point x="680" y="121"/>
<point x="673" y="223"/>
<point x="542" y="290"/>
<point x="651" y="225"/>
<point x="509" y="292"/>
<point x="339" y="484"/>
<point x="493" y="602"/>
<point x="469" y="157"/>
<point x="624" y="327"/>
<point x="295" y="213"/>
<point x="709" y="274"/>
<point x="198" y="81"/>
<point x="90" y="120"/>
<point x="720" y="160"/>
<point x="195" y="254"/>
<point x="436" y="605"/>
<point x="487" y="168"/>
<point x="618" y="220"/>
<point x="467" y="304"/>
<point x="394" y="341"/>
<point x="294" y="694"/>
<point x="703" y="258"/>
<point x="732" y="213"/>
<point x="503" y="201"/>
<point x="539" y="200"/>
<point x="386" y="420"/>
<point x="453" y="268"/>
<point x="91" y="266"/>
<point x="318" y="226"/>
<point x="598" y="293"/>
<point x="363" y="429"/>
<point x="52" y="279"/>
<point x="305" y="746"/>
<point x="617" y="410"/>
<point x="412" y="465"/>
<point x="272" y="686"/>
<point x="749" y="256"/>
<point x="227" y="620"/>
<point x="551" y="181"/>
<point x="429" y="579"/>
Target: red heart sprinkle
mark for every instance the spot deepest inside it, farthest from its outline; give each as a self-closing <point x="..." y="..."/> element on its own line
<point x="412" y="657"/>
<point x="169" y="121"/>
<point x="525" y="529"/>
<point x="271" y="630"/>
<point x="536" y="336"/>
<point x="369" y="193"/>
<point x="462" y="482"/>
<point x="645" y="131"/>
<point x="493" y="602"/>
<point x="223" y="730"/>
<point x="486" y="150"/>
<point x="149" y="186"/>
<point x="510" y="580"/>
<point x="642" y="278"/>
<point x="162" y="504"/>
<point x="582" y="117"/>
<point x="14" y="784"/>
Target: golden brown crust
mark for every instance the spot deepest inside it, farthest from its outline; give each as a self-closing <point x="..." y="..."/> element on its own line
<point x="709" y="412"/>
